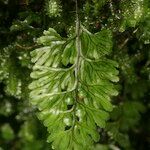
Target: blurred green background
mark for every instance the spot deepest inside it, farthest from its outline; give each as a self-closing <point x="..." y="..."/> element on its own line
<point x="23" y="21"/>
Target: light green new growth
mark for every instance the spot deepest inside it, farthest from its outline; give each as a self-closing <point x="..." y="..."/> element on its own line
<point x="72" y="85"/>
<point x="53" y="8"/>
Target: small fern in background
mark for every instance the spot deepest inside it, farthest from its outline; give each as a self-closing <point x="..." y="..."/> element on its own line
<point x="132" y="13"/>
<point x="53" y="8"/>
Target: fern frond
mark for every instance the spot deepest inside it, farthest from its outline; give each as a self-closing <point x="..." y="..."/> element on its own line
<point x="53" y="8"/>
<point x="11" y="73"/>
<point x="72" y="90"/>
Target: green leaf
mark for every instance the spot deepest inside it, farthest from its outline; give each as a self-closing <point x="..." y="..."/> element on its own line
<point x="95" y="46"/>
<point x="72" y="89"/>
<point x="69" y="54"/>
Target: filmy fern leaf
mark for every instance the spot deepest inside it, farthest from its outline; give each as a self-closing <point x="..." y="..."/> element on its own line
<point x="72" y="88"/>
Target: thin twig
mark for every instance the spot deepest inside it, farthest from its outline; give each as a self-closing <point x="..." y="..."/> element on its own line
<point x="26" y="47"/>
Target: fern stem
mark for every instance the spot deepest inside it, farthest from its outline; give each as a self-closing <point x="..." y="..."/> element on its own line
<point x="78" y="41"/>
<point x="78" y="48"/>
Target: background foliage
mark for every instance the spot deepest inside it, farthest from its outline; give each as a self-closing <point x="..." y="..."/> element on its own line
<point x="23" y="21"/>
